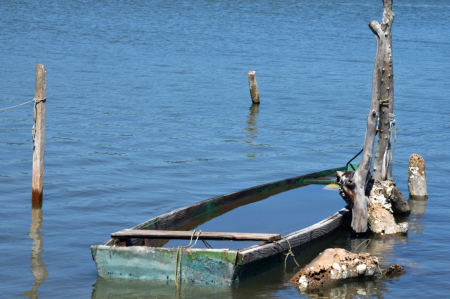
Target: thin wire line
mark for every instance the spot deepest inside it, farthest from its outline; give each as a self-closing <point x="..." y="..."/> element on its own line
<point x="18" y="105"/>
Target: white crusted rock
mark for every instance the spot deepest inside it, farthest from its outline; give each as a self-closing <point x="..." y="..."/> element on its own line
<point x="335" y="264"/>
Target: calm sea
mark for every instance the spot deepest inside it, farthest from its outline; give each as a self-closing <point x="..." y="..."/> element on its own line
<point x="148" y="110"/>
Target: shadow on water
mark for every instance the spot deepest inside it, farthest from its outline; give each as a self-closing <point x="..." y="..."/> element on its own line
<point x="38" y="268"/>
<point x="251" y="126"/>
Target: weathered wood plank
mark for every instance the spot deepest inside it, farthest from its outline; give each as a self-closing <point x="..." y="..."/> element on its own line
<point x="186" y="235"/>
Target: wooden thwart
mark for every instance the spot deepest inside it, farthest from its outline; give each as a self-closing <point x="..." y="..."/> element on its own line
<point x="187" y="235"/>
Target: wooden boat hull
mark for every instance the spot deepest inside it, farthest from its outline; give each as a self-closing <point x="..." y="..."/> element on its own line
<point x="146" y="259"/>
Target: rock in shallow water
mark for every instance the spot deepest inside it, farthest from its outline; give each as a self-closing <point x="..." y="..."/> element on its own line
<point x="335" y="264"/>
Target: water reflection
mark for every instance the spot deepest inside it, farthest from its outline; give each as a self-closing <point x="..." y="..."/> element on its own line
<point x="251" y="124"/>
<point x="358" y="288"/>
<point x="38" y="267"/>
<point x="121" y="288"/>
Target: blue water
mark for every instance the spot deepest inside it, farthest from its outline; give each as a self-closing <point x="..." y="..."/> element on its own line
<point x="148" y="110"/>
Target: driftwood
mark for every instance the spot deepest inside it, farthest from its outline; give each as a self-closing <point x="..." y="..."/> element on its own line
<point x="353" y="185"/>
<point x="335" y="264"/>
<point x="386" y="95"/>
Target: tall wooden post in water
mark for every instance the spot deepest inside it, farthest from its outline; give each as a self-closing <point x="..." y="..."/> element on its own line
<point x="39" y="136"/>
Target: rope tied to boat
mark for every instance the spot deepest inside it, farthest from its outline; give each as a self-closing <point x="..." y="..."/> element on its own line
<point x="290" y="253"/>
<point x="179" y="254"/>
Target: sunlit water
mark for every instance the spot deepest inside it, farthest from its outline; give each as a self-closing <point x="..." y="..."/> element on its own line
<point x="148" y="110"/>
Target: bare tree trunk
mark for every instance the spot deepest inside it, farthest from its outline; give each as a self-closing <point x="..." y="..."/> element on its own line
<point x="353" y="186"/>
<point x="382" y="154"/>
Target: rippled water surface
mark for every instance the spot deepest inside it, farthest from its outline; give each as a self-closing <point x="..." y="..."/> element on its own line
<point x="148" y="110"/>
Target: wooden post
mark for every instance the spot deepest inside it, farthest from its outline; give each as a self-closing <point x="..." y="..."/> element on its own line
<point x="253" y="87"/>
<point x="39" y="136"/>
<point x="417" y="181"/>
<point x="382" y="154"/>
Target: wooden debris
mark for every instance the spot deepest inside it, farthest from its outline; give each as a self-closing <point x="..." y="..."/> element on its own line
<point x="335" y="264"/>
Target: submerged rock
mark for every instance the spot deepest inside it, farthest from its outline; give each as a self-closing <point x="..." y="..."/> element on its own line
<point x="395" y="271"/>
<point x="335" y="264"/>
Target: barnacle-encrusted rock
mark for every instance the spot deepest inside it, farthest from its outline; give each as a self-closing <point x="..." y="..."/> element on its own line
<point x="381" y="219"/>
<point x="335" y="264"/>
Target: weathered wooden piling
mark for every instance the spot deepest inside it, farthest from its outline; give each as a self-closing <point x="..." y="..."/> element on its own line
<point x="253" y="87"/>
<point x="39" y="135"/>
<point x="417" y="181"/>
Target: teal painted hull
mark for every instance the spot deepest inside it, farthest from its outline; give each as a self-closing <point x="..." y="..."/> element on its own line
<point x="141" y="262"/>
